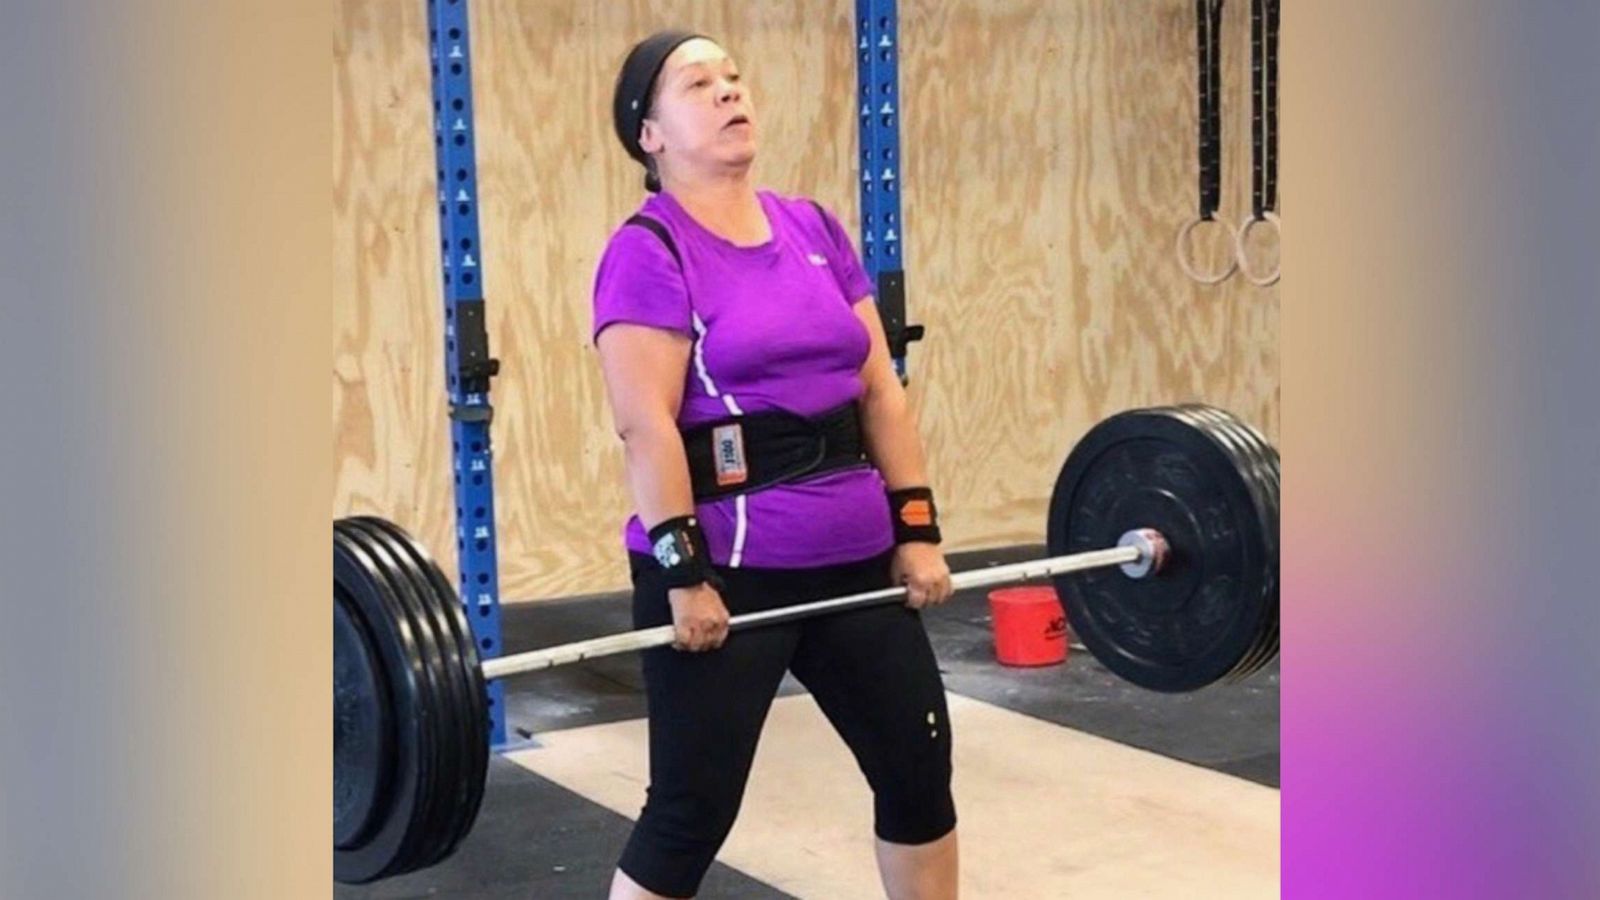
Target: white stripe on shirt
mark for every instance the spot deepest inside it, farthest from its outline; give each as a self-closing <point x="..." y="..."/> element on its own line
<point x="741" y="526"/>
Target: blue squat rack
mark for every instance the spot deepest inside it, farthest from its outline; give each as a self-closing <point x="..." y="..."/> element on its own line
<point x="468" y="365"/>
<point x="882" y="231"/>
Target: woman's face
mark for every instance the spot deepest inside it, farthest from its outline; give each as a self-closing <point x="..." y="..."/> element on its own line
<point x="702" y="115"/>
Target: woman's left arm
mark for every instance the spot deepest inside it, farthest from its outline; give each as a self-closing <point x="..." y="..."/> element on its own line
<point x="887" y="424"/>
<point x="895" y="448"/>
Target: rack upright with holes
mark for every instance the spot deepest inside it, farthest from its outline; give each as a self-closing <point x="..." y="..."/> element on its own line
<point x="878" y="120"/>
<point x="468" y="366"/>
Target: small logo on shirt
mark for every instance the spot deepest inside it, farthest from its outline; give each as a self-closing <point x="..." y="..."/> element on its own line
<point x="817" y="259"/>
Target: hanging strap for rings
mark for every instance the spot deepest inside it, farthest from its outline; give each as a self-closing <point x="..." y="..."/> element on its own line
<point x="1208" y="40"/>
<point x="1264" y="105"/>
<point x="1263" y="132"/>
<point x="1208" y="120"/>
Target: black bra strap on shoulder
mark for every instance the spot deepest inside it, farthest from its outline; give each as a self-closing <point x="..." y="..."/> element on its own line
<point x="823" y="215"/>
<point x="660" y="231"/>
<point x="828" y="225"/>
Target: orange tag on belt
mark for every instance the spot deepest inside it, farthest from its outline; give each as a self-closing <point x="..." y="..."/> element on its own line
<point x="916" y="513"/>
<point x="727" y="442"/>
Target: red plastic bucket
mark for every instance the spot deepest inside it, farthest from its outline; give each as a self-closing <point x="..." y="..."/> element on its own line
<point x="1030" y="627"/>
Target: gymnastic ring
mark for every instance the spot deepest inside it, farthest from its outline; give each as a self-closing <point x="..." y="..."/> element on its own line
<point x="1183" y="258"/>
<point x="1249" y="222"/>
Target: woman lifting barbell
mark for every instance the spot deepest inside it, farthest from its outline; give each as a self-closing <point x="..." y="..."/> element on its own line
<point x="772" y="458"/>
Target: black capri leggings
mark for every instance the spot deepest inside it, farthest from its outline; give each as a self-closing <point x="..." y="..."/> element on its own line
<point x="872" y="672"/>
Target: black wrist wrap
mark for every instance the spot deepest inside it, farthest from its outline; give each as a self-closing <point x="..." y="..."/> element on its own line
<point x="915" y="517"/>
<point x="679" y="545"/>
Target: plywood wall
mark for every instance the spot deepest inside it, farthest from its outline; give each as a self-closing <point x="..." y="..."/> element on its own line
<point x="1048" y="151"/>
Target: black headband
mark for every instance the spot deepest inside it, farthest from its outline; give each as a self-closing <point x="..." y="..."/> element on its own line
<point x="631" y="103"/>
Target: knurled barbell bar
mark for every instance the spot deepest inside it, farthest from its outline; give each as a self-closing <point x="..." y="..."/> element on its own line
<point x="1163" y="533"/>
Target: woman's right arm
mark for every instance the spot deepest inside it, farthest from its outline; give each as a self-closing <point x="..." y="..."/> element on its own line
<point x="644" y="371"/>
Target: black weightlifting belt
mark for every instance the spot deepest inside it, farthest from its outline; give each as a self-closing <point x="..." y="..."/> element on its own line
<point x="748" y="453"/>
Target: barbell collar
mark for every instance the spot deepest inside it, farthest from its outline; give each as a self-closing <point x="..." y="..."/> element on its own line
<point x="1152" y="549"/>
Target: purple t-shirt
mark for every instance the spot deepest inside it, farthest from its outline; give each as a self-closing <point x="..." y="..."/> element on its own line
<point x="773" y="329"/>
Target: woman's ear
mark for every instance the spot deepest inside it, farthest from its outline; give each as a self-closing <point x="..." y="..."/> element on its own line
<point x="649" y="137"/>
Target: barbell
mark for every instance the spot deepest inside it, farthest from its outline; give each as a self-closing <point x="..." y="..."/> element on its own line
<point x="1163" y="535"/>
